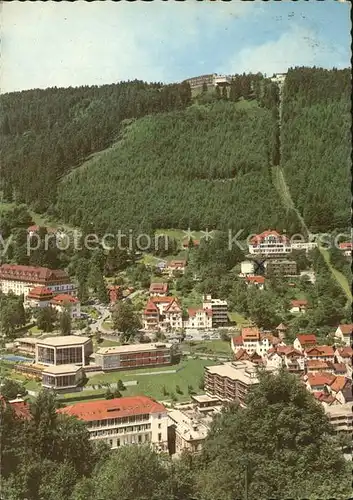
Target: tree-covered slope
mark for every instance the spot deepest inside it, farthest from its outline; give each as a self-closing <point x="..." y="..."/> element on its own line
<point x="205" y="166"/>
<point x="316" y="145"/>
<point x="45" y="133"/>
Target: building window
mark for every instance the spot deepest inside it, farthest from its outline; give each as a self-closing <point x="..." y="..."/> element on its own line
<point x="159" y="436"/>
<point x="159" y="426"/>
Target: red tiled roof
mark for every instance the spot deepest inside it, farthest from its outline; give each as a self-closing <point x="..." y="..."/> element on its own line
<point x="241" y="355"/>
<point x="173" y="305"/>
<point x="64" y="299"/>
<point x="346" y="329"/>
<point x="194" y="311"/>
<point x="195" y="242"/>
<point x="317" y="364"/>
<point x="21" y="409"/>
<point x="255" y="279"/>
<point x="150" y="307"/>
<point x="339" y="367"/>
<point x="320" y="350"/>
<point x="281" y="326"/>
<point x="347" y="245"/>
<point x="320" y="379"/>
<point x="164" y="300"/>
<point x="159" y="287"/>
<point x="271" y="338"/>
<point x="177" y="264"/>
<point x="238" y="340"/>
<point x="298" y="303"/>
<point x="323" y="397"/>
<point x="31" y="273"/>
<point x="307" y="338"/>
<point x="338" y="383"/>
<point x="113" y="408"/>
<point x="36" y="228"/>
<point x="345" y="352"/>
<point x="257" y="239"/>
<point x="285" y="350"/>
<point x="40" y="292"/>
<point x="250" y="333"/>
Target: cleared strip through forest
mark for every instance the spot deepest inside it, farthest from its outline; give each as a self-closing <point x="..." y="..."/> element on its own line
<point x="279" y="182"/>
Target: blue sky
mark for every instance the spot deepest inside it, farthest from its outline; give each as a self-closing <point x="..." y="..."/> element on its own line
<point x="47" y="43"/>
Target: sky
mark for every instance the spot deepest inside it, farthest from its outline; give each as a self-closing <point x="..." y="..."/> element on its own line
<point x="46" y="44"/>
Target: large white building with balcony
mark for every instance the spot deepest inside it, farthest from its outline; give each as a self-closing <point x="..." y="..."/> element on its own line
<point x="124" y="421"/>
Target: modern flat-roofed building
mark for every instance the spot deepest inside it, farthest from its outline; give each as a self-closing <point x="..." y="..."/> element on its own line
<point x="20" y="280"/>
<point x="340" y="417"/>
<point x="185" y="433"/>
<point x="133" y="356"/>
<point x="26" y="345"/>
<point x="62" y="377"/>
<point x="280" y="267"/>
<point x="230" y="381"/>
<point x="68" y="349"/>
<point x="124" y="421"/>
<point x="219" y="310"/>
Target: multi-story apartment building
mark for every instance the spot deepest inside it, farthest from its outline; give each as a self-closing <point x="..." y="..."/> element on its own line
<point x="230" y="381"/>
<point x="211" y="80"/>
<point x="162" y="313"/>
<point x="280" y="267"/>
<point x="185" y="433"/>
<point x="124" y="421"/>
<point x="133" y="356"/>
<point x="269" y="243"/>
<point x="199" y="319"/>
<point x="21" y="279"/>
<point x="219" y="310"/>
<point x="321" y="352"/>
<point x="340" y="417"/>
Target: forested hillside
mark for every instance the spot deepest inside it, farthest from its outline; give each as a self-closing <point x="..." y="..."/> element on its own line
<point x="316" y="145"/>
<point x="45" y="133"/>
<point x="206" y="166"/>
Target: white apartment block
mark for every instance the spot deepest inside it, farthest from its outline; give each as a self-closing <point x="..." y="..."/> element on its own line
<point x="186" y="433"/>
<point x="219" y="310"/>
<point x="124" y="421"/>
<point x="199" y="319"/>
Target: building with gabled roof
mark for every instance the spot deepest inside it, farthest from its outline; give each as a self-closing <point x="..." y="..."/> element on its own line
<point x="323" y="352"/>
<point x="344" y="355"/>
<point x="298" y="306"/>
<point x="162" y="313"/>
<point x="39" y="296"/>
<point x="124" y="421"/>
<point x="304" y="341"/>
<point x="64" y="301"/>
<point x="20" y="280"/>
<point x="158" y="289"/>
<point x="198" y="318"/>
<point x="269" y="243"/>
<point x="344" y="333"/>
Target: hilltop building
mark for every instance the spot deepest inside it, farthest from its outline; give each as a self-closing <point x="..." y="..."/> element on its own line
<point x="20" y="280"/>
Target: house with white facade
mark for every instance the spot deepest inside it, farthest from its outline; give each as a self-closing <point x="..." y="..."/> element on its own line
<point x="64" y="302"/>
<point x="287" y="357"/>
<point x="269" y="243"/>
<point x="344" y="333"/>
<point x="304" y="341"/>
<point x="252" y="341"/>
<point x="298" y="306"/>
<point x="199" y="319"/>
<point x="219" y="310"/>
<point x="124" y="421"/>
<point x="162" y="313"/>
<point x="321" y="352"/>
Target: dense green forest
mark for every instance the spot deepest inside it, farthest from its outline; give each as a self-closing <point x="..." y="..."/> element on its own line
<point x="206" y="166"/>
<point x="45" y="133"/>
<point x="133" y="155"/>
<point x="316" y="145"/>
<point x="280" y="446"/>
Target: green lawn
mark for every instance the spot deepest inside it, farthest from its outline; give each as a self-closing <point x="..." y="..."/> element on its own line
<point x="190" y="372"/>
<point x="208" y="347"/>
<point x="108" y="343"/>
<point x="239" y="319"/>
<point x="340" y="278"/>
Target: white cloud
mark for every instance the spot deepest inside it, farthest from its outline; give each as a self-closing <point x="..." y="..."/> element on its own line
<point x="48" y="43"/>
<point x="299" y="46"/>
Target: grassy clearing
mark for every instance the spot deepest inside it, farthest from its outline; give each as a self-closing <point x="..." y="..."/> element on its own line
<point x="190" y="373"/>
<point x="208" y="347"/>
<point x="239" y="319"/>
<point x="108" y="343"/>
